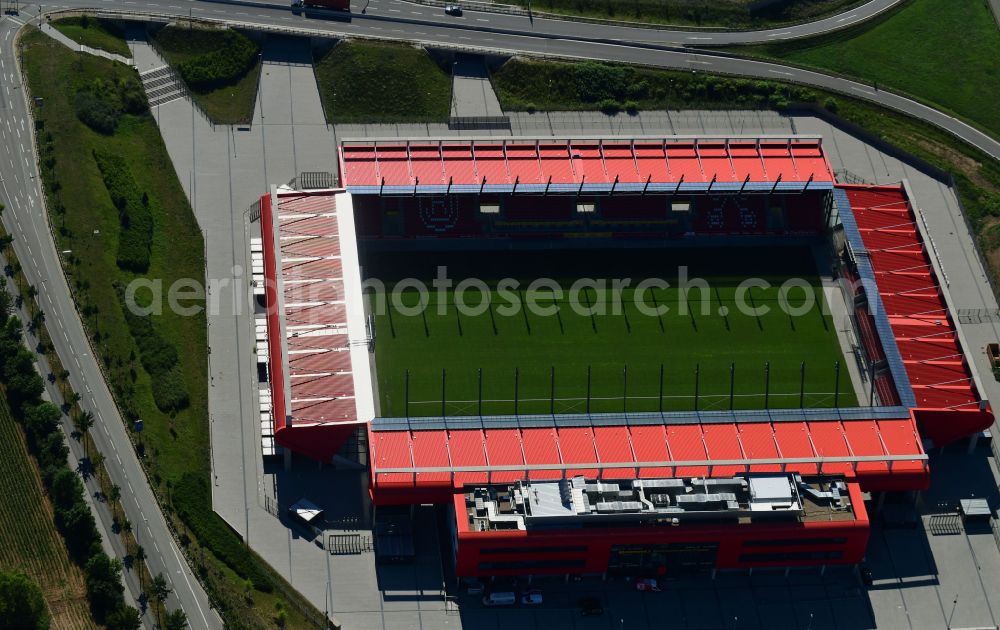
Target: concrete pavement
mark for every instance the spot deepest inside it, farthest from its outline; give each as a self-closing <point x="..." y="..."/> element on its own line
<point x="27" y="220"/>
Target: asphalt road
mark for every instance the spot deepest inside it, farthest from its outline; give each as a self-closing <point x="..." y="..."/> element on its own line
<point x="26" y="219"/>
<point x="390" y="19"/>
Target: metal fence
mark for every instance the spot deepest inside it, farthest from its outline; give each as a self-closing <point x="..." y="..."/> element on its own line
<point x="470" y="123"/>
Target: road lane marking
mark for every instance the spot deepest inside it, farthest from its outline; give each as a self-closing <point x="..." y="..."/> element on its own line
<point x="779" y="34"/>
<point x="846" y="17"/>
<point x="787" y="74"/>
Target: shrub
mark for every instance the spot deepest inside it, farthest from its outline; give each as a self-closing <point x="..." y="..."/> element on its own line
<point x="225" y="65"/>
<point x="136" y="236"/>
<point x="609" y="106"/>
<point x="96" y="112"/>
<point x="160" y="360"/>
<point x="830" y="104"/>
<point x="631" y="107"/>
<point x="193" y="503"/>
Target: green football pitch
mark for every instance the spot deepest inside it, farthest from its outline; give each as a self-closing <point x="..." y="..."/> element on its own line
<point x="575" y="351"/>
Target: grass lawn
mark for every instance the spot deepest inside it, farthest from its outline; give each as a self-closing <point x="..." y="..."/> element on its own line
<point x="361" y="82"/>
<point x="95" y="33"/>
<point x="228" y="104"/>
<point x="569" y="339"/>
<point x="174" y="444"/>
<point x="718" y="13"/>
<point x="940" y="51"/>
<point x="30" y="540"/>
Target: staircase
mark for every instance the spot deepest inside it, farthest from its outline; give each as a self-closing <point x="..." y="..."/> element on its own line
<point x="162" y="85"/>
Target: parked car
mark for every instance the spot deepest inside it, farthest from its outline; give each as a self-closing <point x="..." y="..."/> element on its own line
<point x="453" y="9"/>
<point x="500" y="598"/>
<point x="531" y="598"/>
<point x="590" y="606"/>
<point x="475" y="587"/>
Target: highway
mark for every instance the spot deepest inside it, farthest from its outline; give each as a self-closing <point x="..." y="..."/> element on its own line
<point x="389" y="19"/>
<point x="26" y="219"/>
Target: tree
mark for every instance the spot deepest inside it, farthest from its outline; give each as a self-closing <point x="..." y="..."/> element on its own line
<point x="159" y="590"/>
<point x="114" y="497"/>
<point x="104" y="586"/>
<point x="21" y="604"/>
<point x="124" y="618"/>
<point x="175" y="620"/>
<point x="140" y="558"/>
<point x="83" y="422"/>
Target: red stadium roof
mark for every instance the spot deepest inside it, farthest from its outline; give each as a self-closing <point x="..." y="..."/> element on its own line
<point x="875" y="450"/>
<point x="312" y="375"/>
<point x="316" y="331"/>
<point x="915" y="303"/>
<point x="537" y="163"/>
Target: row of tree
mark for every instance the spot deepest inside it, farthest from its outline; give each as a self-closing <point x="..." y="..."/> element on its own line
<point x="40" y="419"/>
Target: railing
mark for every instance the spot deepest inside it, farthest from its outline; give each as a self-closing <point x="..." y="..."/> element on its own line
<point x="468" y="123"/>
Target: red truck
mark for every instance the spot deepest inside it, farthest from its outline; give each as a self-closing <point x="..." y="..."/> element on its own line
<point x="342" y="5"/>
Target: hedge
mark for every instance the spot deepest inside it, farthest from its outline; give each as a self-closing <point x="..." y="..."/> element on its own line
<point x="135" y="238"/>
<point x="193" y="502"/>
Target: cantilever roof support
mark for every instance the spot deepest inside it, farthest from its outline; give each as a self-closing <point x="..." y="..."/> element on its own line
<point x="547" y="184"/>
<point x="583" y="180"/>
<point x="809" y="181"/>
<point x="613" y="185"/>
<point x="450" y="179"/>
<point x="744" y="184"/>
<point x="517" y="180"/>
<point x="776" y="182"/>
<point x="649" y="178"/>
<point x="483" y="185"/>
<point x="381" y="186"/>
<point x="679" y="182"/>
<point x="712" y="183"/>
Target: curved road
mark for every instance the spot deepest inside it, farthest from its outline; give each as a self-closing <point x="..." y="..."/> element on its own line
<point x="26" y="219"/>
<point x="388" y="19"/>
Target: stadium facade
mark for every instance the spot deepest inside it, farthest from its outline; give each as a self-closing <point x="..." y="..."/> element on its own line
<point x="634" y="493"/>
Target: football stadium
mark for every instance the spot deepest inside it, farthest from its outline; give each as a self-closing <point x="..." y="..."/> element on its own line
<point x="629" y="355"/>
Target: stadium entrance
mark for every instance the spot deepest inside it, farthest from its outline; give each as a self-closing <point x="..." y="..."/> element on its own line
<point x="659" y="560"/>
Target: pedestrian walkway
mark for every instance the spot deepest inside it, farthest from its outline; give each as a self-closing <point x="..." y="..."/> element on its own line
<point x="472" y="92"/>
<point x="72" y="45"/>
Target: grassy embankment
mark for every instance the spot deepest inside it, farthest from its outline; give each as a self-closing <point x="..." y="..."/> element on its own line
<point x="31" y="542"/>
<point x="220" y="67"/>
<point x="93" y="32"/>
<point x="120" y="223"/>
<point x="551" y="86"/>
<point x="733" y="14"/>
<point x="942" y="52"/>
<point x="367" y="82"/>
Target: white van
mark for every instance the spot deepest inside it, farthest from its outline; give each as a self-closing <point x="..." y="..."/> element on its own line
<point x="500" y="598"/>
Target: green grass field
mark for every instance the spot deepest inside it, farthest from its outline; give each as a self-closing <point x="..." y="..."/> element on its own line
<point x="941" y="51"/>
<point x="569" y="342"/>
<point x="363" y="82"/>
<point x="95" y="33"/>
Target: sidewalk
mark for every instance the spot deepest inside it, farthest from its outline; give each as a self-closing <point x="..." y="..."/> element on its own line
<point x="72" y="45"/>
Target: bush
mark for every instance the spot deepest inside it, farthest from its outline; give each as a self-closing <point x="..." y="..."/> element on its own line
<point x="192" y="500"/>
<point x="136" y="236"/>
<point x="609" y="106"/>
<point x="96" y="112"/>
<point x="101" y="103"/>
<point x="830" y="104"/>
<point x="225" y="65"/>
<point x="631" y="107"/>
<point x="160" y="360"/>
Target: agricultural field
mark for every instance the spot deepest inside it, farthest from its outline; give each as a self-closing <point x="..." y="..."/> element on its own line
<point x="592" y="345"/>
<point x="30" y="540"/>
